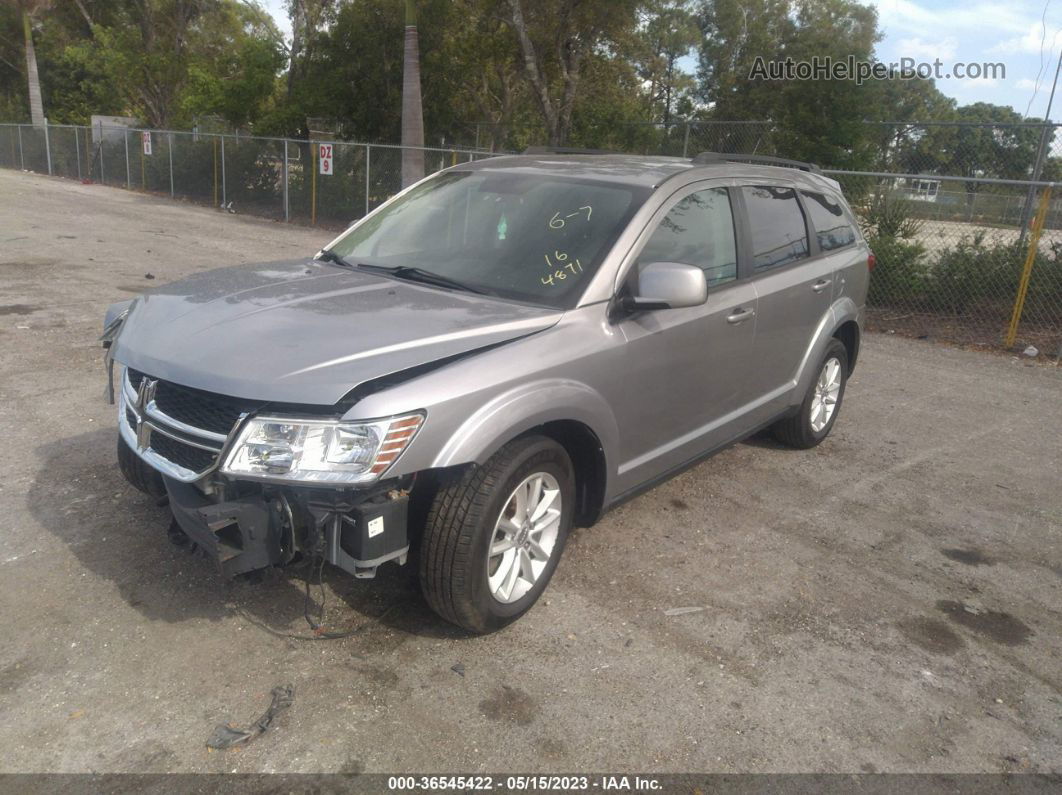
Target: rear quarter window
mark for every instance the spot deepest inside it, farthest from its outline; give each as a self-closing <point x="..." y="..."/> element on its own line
<point x="833" y="226"/>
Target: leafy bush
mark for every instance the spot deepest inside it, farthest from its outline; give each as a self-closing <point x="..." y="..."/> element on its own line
<point x="887" y="216"/>
<point x="899" y="277"/>
<point x="900" y="274"/>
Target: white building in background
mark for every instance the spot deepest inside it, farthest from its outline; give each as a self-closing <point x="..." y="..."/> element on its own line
<point x="111" y="128"/>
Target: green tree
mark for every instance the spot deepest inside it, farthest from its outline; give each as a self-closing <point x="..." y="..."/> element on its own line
<point x="555" y="38"/>
<point x="734" y="34"/>
<point x="995" y="142"/>
<point x="667" y="32"/>
<point x="817" y="120"/>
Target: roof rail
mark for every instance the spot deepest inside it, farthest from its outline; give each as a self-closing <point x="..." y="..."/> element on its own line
<point x="566" y="150"/>
<point x="707" y="158"/>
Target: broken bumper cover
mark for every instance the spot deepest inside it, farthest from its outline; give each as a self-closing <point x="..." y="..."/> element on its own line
<point x="354" y="530"/>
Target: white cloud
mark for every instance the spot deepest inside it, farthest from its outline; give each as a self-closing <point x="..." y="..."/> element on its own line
<point x="1035" y="40"/>
<point x="975" y="84"/>
<point x="1025" y="84"/>
<point x="909" y="16"/>
<point x="922" y="50"/>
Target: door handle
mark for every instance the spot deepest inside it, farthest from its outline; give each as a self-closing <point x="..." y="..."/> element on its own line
<point x="820" y="285"/>
<point x="740" y="316"/>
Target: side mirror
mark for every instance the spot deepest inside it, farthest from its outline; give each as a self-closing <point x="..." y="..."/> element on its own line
<point x="667" y="285"/>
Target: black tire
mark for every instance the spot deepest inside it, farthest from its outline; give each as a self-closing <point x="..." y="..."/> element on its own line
<point x="461" y="524"/>
<point x="139" y="475"/>
<point x="796" y="430"/>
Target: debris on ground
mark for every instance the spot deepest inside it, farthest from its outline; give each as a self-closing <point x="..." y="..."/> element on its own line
<point x="227" y="736"/>
<point x="149" y="275"/>
<point x="1032" y="351"/>
<point x="681" y="611"/>
<point x="458" y="668"/>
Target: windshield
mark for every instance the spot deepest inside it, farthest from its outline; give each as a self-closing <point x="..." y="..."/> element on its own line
<point x="532" y="238"/>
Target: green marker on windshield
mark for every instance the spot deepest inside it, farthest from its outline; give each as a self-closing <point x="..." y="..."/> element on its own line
<point x="503" y="227"/>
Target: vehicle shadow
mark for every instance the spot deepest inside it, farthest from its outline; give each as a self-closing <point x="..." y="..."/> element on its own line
<point x="119" y="534"/>
<point x="765" y="439"/>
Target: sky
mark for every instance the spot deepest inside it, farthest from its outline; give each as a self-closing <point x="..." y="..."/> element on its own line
<point x="1024" y="35"/>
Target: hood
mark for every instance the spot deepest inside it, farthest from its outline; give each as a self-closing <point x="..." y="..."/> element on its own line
<point x="307" y="332"/>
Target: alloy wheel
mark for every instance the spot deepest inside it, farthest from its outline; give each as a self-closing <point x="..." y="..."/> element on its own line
<point x="524" y="537"/>
<point x="827" y="390"/>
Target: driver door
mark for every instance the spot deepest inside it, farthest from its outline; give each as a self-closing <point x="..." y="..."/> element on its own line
<point x="687" y="367"/>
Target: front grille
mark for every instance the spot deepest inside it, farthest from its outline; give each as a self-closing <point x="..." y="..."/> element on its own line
<point x="167" y="421"/>
<point x="183" y="455"/>
<point x="206" y="410"/>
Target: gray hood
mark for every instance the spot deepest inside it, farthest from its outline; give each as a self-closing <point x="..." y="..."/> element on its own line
<point x="307" y="332"/>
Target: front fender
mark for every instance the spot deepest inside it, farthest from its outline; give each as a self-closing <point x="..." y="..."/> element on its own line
<point x="840" y="312"/>
<point x="525" y="407"/>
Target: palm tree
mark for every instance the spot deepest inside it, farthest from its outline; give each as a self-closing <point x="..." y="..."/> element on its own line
<point x="27" y="8"/>
<point x="412" y="113"/>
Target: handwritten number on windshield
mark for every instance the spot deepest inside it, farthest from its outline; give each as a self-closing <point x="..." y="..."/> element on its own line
<point x="561" y="265"/>
<point x="557" y="222"/>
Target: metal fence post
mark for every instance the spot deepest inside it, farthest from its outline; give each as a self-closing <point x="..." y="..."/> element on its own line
<point x="169" y="147"/>
<point x="287" y="214"/>
<point x="1026" y="271"/>
<point x="223" y="194"/>
<point x="686" y="140"/>
<point x="215" y="171"/>
<point x="368" y="149"/>
<point x="21" y="154"/>
<point x="313" y="184"/>
<point x="47" y="147"/>
<point x="125" y="140"/>
<point x="77" y="152"/>
<point x="102" y="181"/>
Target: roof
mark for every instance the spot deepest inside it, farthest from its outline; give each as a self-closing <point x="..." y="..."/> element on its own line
<point x="622" y="169"/>
<point x="644" y="170"/>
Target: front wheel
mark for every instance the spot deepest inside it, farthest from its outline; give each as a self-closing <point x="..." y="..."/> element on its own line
<point x="822" y="402"/>
<point x="493" y="538"/>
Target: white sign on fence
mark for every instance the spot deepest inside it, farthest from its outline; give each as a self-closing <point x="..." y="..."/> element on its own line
<point x="145" y="138"/>
<point x="324" y="155"/>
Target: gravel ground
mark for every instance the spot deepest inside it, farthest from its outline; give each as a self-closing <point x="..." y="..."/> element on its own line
<point x="889" y="601"/>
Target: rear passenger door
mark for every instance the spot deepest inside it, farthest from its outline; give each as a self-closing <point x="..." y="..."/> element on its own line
<point x="793" y="283"/>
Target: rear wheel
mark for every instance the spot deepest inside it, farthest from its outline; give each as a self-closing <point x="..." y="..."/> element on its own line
<point x="822" y="402"/>
<point x="493" y="538"/>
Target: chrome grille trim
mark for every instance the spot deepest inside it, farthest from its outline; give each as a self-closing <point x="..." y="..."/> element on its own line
<point x="154" y="412"/>
<point x="150" y="419"/>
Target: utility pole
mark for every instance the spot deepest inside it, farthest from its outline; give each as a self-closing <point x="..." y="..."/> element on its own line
<point x="1047" y="134"/>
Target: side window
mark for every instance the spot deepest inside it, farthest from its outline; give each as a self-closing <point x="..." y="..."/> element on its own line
<point x="699" y="230"/>
<point x="832" y="227"/>
<point x="779" y="234"/>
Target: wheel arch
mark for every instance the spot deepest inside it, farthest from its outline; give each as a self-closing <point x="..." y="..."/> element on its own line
<point x="569" y="412"/>
<point x="849" y="335"/>
<point x="588" y="462"/>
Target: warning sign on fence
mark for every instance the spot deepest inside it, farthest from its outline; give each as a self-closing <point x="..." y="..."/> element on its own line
<point x="145" y="138"/>
<point x="324" y="155"/>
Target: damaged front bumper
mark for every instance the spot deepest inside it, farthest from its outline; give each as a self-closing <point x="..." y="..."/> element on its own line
<point x="246" y="527"/>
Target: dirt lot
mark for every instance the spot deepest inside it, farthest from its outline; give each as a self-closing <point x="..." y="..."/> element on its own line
<point x="889" y="601"/>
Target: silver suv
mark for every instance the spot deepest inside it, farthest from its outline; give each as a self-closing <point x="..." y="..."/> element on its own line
<point x="501" y="352"/>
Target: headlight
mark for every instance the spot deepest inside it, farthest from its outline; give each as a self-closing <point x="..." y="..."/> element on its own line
<point x="319" y="451"/>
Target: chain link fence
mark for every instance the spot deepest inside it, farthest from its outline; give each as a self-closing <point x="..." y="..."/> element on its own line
<point x="962" y="218"/>
<point x="278" y="178"/>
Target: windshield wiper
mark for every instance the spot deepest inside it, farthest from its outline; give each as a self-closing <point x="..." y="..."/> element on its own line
<point x="327" y="255"/>
<point x="420" y="275"/>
